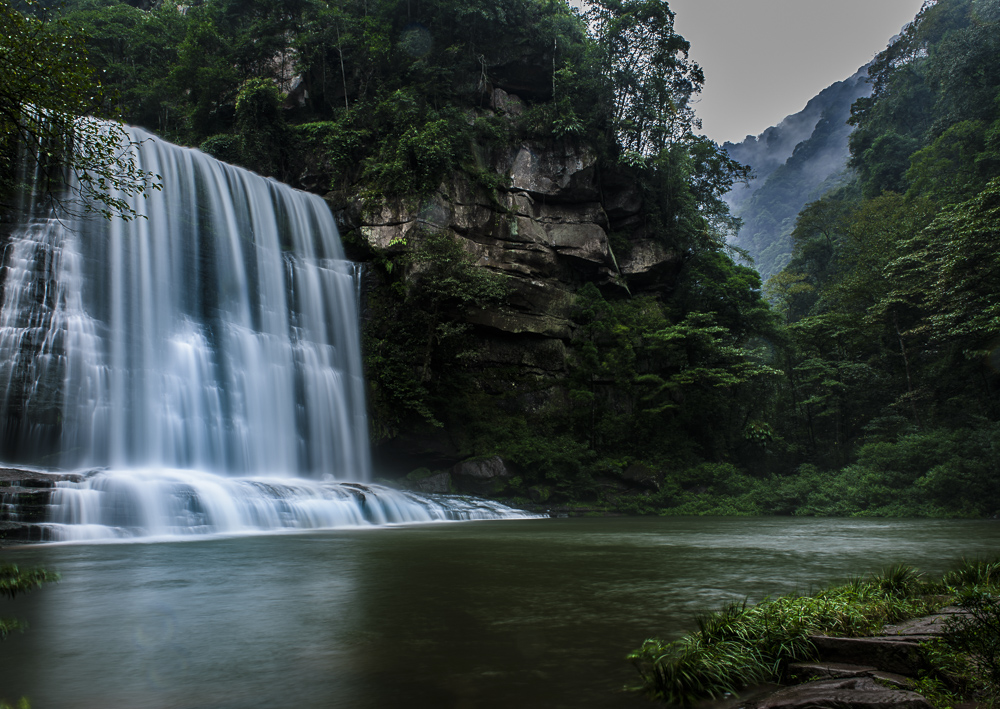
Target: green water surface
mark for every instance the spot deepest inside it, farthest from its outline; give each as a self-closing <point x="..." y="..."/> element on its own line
<point x="532" y="613"/>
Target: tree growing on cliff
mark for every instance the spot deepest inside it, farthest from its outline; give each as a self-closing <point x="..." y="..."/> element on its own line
<point x="646" y="62"/>
<point x="47" y="93"/>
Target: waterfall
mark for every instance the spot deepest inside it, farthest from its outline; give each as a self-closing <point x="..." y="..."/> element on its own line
<point x="213" y="337"/>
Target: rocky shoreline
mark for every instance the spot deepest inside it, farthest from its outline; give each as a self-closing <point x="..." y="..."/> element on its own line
<point x="857" y="673"/>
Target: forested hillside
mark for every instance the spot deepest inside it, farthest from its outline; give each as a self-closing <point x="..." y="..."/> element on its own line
<point x="562" y="295"/>
<point x="549" y="287"/>
<point x="890" y="298"/>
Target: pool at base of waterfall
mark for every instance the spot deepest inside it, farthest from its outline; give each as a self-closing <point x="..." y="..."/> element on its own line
<point x="492" y="615"/>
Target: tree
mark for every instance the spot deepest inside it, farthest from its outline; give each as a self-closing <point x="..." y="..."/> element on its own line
<point x="647" y="64"/>
<point x="47" y="93"/>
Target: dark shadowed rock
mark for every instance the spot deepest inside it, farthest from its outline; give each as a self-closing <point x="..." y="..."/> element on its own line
<point x="852" y="693"/>
<point x="503" y="102"/>
<point x="439" y="483"/>
<point x="809" y="671"/>
<point x="648" y="262"/>
<point x="642" y="476"/>
<point x="482" y="476"/>
<point x="886" y="654"/>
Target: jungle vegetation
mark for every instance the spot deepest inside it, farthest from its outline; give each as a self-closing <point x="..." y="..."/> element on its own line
<point x="868" y="385"/>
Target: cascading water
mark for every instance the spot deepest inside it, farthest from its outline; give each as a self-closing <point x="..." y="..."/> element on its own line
<point x="204" y="359"/>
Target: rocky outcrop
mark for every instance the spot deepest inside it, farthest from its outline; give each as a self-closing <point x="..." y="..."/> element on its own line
<point x="548" y="228"/>
<point x="24" y="500"/>
<point x="484" y="476"/>
<point x="436" y="483"/>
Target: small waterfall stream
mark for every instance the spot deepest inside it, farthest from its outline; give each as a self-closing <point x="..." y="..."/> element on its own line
<point x="204" y="358"/>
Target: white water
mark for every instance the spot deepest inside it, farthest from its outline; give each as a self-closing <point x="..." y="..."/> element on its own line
<point x="199" y="354"/>
<point x="173" y="503"/>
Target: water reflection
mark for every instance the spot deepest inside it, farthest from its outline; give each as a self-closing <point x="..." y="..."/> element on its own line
<point x="533" y="613"/>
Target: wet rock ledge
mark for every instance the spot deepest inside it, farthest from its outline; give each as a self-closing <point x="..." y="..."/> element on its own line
<point x="858" y="673"/>
<point x="24" y="499"/>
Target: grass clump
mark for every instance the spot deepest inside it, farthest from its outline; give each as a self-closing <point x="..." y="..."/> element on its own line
<point x="973" y="573"/>
<point x="741" y="645"/>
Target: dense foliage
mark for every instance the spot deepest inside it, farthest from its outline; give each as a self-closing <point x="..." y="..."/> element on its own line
<point x="890" y="295"/>
<point x="869" y="386"/>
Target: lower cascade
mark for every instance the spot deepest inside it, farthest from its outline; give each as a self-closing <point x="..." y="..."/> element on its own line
<point x="204" y="357"/>
<point x="172" y="503"/>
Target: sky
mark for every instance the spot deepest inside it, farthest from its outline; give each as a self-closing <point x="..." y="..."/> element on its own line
<point x="764" y="59"/>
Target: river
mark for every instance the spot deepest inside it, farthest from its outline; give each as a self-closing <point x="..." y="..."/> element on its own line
<point x="523" y="613"/>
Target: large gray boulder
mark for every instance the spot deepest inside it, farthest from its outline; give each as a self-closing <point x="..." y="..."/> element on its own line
<point x="439" y="483"/>
<point x="481" y="476"/>
<point x="569" y="174"/>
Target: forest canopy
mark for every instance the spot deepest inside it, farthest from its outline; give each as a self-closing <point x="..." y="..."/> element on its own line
<point x="868" y="385"/>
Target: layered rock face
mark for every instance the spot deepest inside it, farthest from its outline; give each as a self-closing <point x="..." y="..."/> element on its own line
<point x="549" y="229"/>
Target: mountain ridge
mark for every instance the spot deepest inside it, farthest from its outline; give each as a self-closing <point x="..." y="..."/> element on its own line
<point x="792" y="161"/>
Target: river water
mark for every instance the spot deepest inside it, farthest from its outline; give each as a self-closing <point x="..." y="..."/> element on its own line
<point x="523" y="613"/>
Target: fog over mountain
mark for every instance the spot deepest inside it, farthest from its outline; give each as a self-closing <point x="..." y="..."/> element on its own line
<point x="794" y="162"/>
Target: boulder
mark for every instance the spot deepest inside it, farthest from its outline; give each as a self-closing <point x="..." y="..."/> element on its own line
<point x="851" y="693"/>
<point x="569" y="174"/>
<point x="439" y="483"/>
<point x="480" y="476"/>
<point x="647" y="261"/>
<point x="503" y="102"/>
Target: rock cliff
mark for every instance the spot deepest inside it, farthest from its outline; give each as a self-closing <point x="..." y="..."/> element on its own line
<point x="558" y="220"/>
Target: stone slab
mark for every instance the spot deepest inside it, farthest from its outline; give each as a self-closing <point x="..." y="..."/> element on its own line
<point x="928" y="626"/>
<point x="887" y="654"/>
<point x="851" y="693"/>
<point x="809" y="671"/>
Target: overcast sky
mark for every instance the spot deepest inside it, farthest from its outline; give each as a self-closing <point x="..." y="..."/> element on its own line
<point x="764" y="59"/>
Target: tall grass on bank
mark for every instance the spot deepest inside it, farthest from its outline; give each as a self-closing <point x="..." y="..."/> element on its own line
<point x="742" y="645"/>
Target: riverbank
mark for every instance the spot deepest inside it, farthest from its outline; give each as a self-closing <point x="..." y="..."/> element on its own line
<point x="891" y="639"/>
